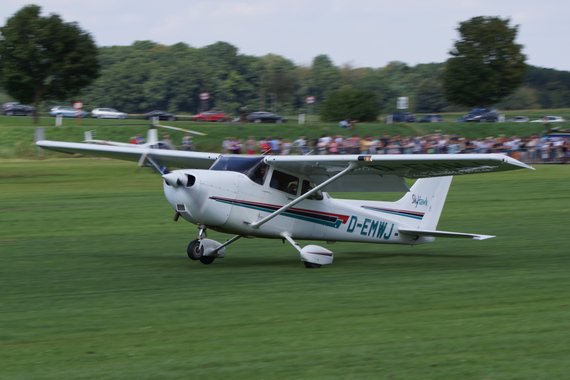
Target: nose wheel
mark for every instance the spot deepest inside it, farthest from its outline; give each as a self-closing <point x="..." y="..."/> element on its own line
<point x="195" y="252"/>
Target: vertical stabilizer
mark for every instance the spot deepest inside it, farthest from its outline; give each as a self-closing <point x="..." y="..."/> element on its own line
<point x="427" y="196"/>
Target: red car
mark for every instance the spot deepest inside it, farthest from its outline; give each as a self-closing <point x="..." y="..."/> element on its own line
<point x="211" y="116"/>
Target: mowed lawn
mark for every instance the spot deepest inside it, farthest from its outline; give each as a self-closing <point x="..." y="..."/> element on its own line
<point x="95" y="284"/>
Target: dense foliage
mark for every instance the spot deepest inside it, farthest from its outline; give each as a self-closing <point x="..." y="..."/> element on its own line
<point x="486" y="65"/>
<point x="44" y="58"/>
<point x="350" y="104"/>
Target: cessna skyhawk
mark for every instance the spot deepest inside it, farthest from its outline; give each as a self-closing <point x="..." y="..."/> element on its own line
<point x="287" y="197"/>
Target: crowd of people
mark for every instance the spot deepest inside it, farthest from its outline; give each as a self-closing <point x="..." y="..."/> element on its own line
<point x="532" y="149"/>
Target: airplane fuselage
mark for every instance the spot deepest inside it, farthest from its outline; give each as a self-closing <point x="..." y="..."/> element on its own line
<point x="231" y="202"/>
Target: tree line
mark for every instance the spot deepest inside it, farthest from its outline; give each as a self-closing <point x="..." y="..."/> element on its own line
<point x="486" y="68"/>
<point x="147" y="75"/>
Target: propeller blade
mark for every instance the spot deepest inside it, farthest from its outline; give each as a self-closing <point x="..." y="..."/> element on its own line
<point x="182" y="130"/>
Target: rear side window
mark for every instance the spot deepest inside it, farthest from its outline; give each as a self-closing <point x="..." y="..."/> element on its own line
<point x="284" y="182"/>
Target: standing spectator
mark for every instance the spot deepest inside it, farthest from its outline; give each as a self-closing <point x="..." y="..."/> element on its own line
<point x="264" y="146"/>
<point x="301" y="145"/>
<point x="286" y="147"/>
<point x="187" y="143"/>
<point x="250" y="145"/>
<point x="275" y="145"/>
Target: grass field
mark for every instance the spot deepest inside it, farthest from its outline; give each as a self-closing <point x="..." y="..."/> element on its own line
<point x="95" y="284"/>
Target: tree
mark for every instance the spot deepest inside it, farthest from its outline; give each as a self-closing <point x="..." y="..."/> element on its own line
<point x="486" y="64"/>
<point x="278" y="80"/>
<point x="325" y="77"/>
<point x="45" y="58"/>
<point x="429" y="96"/>
<point x="350" y="103"/>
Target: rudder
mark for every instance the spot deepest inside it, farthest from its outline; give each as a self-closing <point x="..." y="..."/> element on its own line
<point x="427" y="196"/>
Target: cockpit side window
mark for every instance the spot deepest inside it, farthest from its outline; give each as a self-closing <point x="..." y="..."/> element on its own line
<point x="308" y="186"/>
<point x="284" y="182"/>
<point x="258" y="173"/>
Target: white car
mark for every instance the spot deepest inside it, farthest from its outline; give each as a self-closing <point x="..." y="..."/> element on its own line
<point x="108" y="113"/>
<point x="550" y="119"/>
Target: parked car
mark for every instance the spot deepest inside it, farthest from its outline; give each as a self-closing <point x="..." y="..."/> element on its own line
<point x="162" y="115"/>
<point x="265" y="117"/>
<point x="15" y="108"/>
<point x="430" y="119"/>
<point x="67" y="111"/>
<point x="214" y="116"/>
<point x="481" y="115"/>
<point x="108" y="113"/>
<point x="403" y="117"/>
<point x="550" y="119"/>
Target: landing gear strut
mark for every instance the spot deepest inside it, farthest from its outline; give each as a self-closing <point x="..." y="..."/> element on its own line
<point x="312" y="256"/>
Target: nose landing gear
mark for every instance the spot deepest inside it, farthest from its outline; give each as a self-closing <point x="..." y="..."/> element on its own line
<point x="196" y="252"/>
<point x="206" y="250"/>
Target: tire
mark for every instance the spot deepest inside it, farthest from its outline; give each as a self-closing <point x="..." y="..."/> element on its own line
<point x="207" y="260"/>
<point x="194" y="250"/>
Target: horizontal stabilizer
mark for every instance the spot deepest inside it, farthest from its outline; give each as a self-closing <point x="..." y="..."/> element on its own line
<point x="435" y="233"/>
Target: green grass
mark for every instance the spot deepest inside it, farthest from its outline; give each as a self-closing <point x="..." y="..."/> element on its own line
<point x="95" y="284"/>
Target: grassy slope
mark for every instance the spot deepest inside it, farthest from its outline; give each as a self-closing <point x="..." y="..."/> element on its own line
<point x="96" y="284"/>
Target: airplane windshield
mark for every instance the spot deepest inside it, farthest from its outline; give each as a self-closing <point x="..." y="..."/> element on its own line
<point x="241" y="164"/>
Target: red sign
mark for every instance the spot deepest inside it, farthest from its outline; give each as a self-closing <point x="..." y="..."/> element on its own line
<point x="78" y="105"/>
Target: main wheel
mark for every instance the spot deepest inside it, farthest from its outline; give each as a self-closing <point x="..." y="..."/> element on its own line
<point x="207" y="259"/>
<point x="309" y="265"/>
<point x="195" y="251"/>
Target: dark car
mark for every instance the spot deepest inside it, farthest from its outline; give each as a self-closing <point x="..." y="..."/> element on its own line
<point x="162" y="115"/>
<point x="432" y="118"/>
<point x="15" y="108"/>
<point x="403" y="117"/>
<point x="213" y="116"/>
<point x="265" y="117"/>
<point x="481" y="115"/>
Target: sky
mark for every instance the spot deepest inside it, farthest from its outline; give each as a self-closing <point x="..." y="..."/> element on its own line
<point x="359" y="33"/>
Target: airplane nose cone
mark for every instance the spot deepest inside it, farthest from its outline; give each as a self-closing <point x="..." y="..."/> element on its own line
<point x="177" y="179"/>
<point x="172" y="179"/>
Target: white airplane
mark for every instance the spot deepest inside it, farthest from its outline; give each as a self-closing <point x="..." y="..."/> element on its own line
<point x="283" y="197"/>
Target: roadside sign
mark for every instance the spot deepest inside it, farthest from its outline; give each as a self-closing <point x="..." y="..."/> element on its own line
<point x="310" y="99"/>
<point x="204" y="96"/>
<point x="78" y="105"/>
<point x="402" y="103"/>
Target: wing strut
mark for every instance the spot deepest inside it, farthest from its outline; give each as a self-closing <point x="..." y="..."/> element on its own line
<point x="351" y="166"/>
<point x="153" y="164"/>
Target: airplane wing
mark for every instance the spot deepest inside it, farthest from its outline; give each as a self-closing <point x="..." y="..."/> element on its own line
<point x="387" y="172"/>
<point x="369" y="172"/>
<point x="164" y="157"/>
